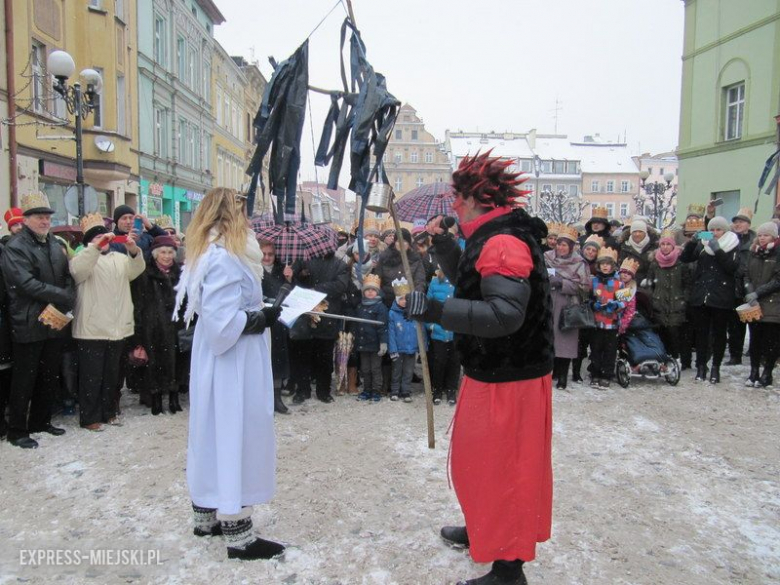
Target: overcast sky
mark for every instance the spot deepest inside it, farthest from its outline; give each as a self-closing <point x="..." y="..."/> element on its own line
<point x="613" y="65"/>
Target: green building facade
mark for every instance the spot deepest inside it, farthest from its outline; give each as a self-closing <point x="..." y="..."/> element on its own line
<point x="730" y="100"/>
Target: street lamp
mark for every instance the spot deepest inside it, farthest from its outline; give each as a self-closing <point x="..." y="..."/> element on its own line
<point x="656" y="190"/>
<point x="61" y="65"/>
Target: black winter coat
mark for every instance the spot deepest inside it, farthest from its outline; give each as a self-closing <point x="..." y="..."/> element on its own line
<point x="714" y="280"/>
<point x="644" y="258"/>
<point x="368" y="337"/>
<point x="671" y="287"/>
<point x="390" y="267"/>
<point x="36" y="273"/>
<point x="5" y="323"/>
<point x="154" y="300"/>
<point x="760" y="273"/>
<point x="328" y="275"/>
<point x="272" y="282"/>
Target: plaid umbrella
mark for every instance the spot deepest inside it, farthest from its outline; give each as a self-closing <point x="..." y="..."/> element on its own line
<point x="426" y="202"/>
<point x="299" y="242"/>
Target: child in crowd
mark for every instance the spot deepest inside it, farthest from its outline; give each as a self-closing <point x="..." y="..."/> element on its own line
<point x="607" y="309"/>
<point x="445" y="373"/>
<point x="402" y="343"/>
<point x="371" y="340"/>
<point x="627" y="292"/>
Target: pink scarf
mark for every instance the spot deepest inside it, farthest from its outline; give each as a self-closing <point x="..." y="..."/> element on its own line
<point x="164" y="269"/>
<point x="667" y="260"/>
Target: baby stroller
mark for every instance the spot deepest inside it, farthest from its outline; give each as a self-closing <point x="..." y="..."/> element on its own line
<point x="641" y="354"/>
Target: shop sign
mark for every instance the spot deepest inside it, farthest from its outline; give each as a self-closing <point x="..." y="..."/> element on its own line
<point x="154" y="206"/>
<point x="194" y="196"/>
<point x="156" y="189"/>
<point x="177" y="214"/>
<point x="57" y="171"/>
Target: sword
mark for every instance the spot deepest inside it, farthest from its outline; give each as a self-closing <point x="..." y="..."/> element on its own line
<point x="332" y="315"/>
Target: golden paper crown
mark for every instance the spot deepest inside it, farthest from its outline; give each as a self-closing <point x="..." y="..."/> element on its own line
<point x="401" y="287"/>
<point x="630" y="264"/>
<point x="372" y="281"/>
<point x="90" y="221"/>
<point x="165" y="222"/>
<point x="35" y="202"/>
<point x="668" y="233"/>
<point x="600" y="213"/>
<point x="553" y="228"/>
<point x="694" y="224"/>
<point x="607" y="254"/>
<point x="371" y="225"/>
<point x="568" y="232"/>
<point x="593" y="239"/>
<point x="697" y="210"/>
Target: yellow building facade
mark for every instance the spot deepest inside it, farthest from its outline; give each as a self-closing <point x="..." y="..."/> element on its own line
<point x="100" y="35"/>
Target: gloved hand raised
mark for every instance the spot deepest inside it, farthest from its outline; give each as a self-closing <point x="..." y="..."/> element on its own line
<point x="421" y="308"/>
<point x="713" y="244"/>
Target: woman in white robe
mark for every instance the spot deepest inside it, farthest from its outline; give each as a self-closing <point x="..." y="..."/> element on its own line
<point x="231" y="454"/>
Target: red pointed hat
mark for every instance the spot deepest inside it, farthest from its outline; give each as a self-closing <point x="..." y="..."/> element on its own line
<point x="13" y="216"/>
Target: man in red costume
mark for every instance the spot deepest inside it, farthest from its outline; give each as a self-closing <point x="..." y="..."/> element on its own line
<point x="501" y="315"/>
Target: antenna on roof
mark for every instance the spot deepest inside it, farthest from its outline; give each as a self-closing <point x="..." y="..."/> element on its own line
<point x="556" y="112"/>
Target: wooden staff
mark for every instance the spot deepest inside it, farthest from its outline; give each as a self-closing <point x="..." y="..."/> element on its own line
<point x="419" y="326"/>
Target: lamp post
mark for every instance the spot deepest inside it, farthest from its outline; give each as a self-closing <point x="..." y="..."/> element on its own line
<point x="656" y="190"/>
<point x="79" y="104"/>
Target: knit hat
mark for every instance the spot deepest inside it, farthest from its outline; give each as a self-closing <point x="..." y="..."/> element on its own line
<point x="719" y="223"/>
<point x="121" y="210"/>
<point x="767" y="229"/>
<point x="162" y="242"/>
<point x="638" y="226"/>
<point x="93" y="232"/>
<point x="355" y="247"/>
<point x="389" y="232"/>
<point x="595" y="241"/>
<point x="13" y="216"/>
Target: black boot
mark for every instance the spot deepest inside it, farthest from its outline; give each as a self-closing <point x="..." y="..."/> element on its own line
<point x="157" y="404"/>
<point x="755" y="374"/>
<point x="502" y="573"/>
<point x="279" y="406"/>
<point x="576" y="367"/>
<point x="242" y="544"/>
<point x="455" y="536"/>
<point x="563" y="374"/>
<point x="766" y="378"/>
<point x="701" y="373"/>
<point x="173" y="397"/>
<point x="176" y="402"/>
<point x="556" y="366"/>
<point x="715" y="374"/>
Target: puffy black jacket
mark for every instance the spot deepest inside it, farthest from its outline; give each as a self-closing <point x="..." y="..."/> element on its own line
<point x="330" y="276"/>
<point x="714" y="280"/>
<point x="36" y="274"/>
<point x="761" y="273"/>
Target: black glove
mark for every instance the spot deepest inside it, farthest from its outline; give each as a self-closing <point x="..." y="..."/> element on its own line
<point x="714" y="244"/>
<point x="420" y="308"/>
<point x="257" y="321"/>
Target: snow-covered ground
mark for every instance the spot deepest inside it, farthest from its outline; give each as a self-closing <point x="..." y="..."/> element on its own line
<point x="653" y="484"/>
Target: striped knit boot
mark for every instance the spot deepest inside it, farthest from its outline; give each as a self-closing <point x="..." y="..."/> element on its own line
<point x="241" y="542"/>
<point x="206" y="523"/>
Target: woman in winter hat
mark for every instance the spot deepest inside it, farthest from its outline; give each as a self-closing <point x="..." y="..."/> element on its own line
<point x="760" y="279"/>
<point x="713" y="292"/>
<point x="638" y="243"/>
<point x="569" y="281"/>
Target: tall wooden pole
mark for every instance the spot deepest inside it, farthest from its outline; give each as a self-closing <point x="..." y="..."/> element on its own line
<point x="421" y="338"/>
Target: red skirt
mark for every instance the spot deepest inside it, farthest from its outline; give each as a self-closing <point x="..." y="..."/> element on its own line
<point x="501" y="465"/>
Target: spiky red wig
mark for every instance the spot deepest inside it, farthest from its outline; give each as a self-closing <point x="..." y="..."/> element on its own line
<point x="487" y="179"/>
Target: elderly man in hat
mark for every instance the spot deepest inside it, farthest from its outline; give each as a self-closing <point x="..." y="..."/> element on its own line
<point x="36" y="275"/>
<point x="740" y="225"/>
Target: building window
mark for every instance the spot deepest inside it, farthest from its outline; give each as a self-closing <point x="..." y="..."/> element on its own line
<point x="159" y="40"/>
<point x="594" y="186"/>
<point x="121" y="108"/>
<point x="420" y="182"/>
<point x="610" y="209"/>
<point x="219" y="106"/>
<point x="650" y="170"/>
<point x="623" y="210"/>
<point x="399" y="183"/>
<point x="526" y="166"/>
<point x="546" y="166"/>
<point x="429" y="157"/>
<point x="97" y="112"/>
<point x="399" y="156"/>
<point x="38" y="59"/>
<point x="206" y="87"/>
<point x="119" y="9"/>
<point x="415" y="156"/>
<point x="624" y="186"/>
<point x="207" y="152"/>
<point x="220" y="170"/>
<point x="735" y="111"/>
<point x="94" y="4"/>
<point x="547" y="188"/>
<point x="593" y="207"/>
<point x="610" y="186"/>
<point x="414" y="134"/>
<point x="559" y="167"/>
<point x="160" y="132"/>
<point x="399" y="134"/>
<point x="182" y="141"/>
<point x="191" y="144"/>
<point x="661" y="172"/>
<point x="571" y="168"/>
<point x="181" y="59"/>
<point x="573" y="190"/>
<point x="193" y="63"/>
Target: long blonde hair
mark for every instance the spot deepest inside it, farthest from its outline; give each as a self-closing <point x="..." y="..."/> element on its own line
<point x="221" y="211"/>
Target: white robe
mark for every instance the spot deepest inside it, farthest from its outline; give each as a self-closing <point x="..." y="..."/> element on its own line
<point x="231" y="453"/>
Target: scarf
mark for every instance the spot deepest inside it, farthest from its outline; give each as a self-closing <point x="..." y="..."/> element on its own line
<point x="667" y="260"/>
<point x="470" y="227"/>
<point x="764" y="252"/>
<point x="163" y="269"/>
<point x="728" y="241"/>
<point x="641" y="245"/>
<point x="191" y="282"/>
<point x="571" y="267"/>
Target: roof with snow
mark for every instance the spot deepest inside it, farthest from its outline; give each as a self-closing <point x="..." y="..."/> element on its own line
<point x="604" y="158"/>
<point x="515" y="147"/>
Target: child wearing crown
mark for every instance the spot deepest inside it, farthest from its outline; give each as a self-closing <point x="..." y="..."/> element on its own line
<point x="371" y="340"/>
<point x="607" y="308"/>
<point x="402" y="343"/>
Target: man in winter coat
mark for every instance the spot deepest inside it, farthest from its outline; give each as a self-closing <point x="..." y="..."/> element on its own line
<point x="502" y="319"/>
<point x="124" y="216"/>
<point x="740" y="225"/>
<point x="36" y="274"/>
<point x="327" y="275"/>
<point x="599" y="224"/>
